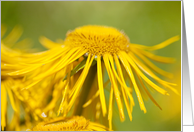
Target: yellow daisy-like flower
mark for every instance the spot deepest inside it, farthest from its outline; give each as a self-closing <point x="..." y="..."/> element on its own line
<point x="104" y="46"/>
<point x="11" y="86"/>
<point x="76" y="123"/>
<point x="9" y="57"/>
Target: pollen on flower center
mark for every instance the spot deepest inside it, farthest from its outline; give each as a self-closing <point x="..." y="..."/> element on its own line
<point x="98" y="40"/>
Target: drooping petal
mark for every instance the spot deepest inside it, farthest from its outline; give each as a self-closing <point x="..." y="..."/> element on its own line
<point x="48" y="43"/>
<point x="150" y="96"/>
<point x="90" y="100"/>
<point x="62" y="63"/>
<point x="110" y="110"/>
<point x="80" y="81"/>
<point x="165" y="43"/>
<point x="114" y="86"/>
<point x="11" y="97"/>
<point x="124" y="90"/>
<point x="122" y="83"/>
<point x="3" y="106"/>
<point x="158" y="46"/>
<point x="148" y="71"/>
<point x="13" y="36"/>
<point x="157" y="88"/>
<point x="154" y="67"/>
<point x="100" y="85"/>
<point x="65" y="92"/>
<point x="95" y="95"/>
<point x="129" y="71"/>
<point x="157" y="58"/>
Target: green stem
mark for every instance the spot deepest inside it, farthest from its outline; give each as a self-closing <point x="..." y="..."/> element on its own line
<point x="86" y="89"/>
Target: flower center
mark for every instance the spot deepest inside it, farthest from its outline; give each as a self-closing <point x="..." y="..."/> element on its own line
<point x="98" y="40"/>
<point x="74" y="124"/>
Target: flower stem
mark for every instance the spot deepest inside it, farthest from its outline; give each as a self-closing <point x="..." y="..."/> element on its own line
<point x="86" y="89"/>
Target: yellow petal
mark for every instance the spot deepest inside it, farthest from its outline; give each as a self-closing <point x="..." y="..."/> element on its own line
<point x="165" y="43"/>
<point x="100" y="85"/>
<point x="148" y="71"/>
<point x="124" y="90"/>
<point x="158" y="46"/>
<point x="110" y="110"/>
<point x="154" y="67"/>
<point x="128" y="68"/>
<point x="150" y="96"/>
<point x="13" y="36"/>
<point x="62" y="63"/>
<point x="115" y="87"/>
<point x="11" y="97"/>
<point x="3" y="106"/>
<point x="157" y="58"/>
<point x="157" y="88"/>
<point x="95" y="95"/>
<point x="48" y="43"/>
<point x="80" y="81"/>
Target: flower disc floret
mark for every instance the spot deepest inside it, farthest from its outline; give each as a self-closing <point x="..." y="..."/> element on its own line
<point x="98" y="40"/>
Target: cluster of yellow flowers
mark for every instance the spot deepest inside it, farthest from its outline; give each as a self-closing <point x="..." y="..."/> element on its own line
<point x="54" y="86"/>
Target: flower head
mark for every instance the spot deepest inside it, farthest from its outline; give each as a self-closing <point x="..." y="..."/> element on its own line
<point x="11" y="85"/>
<point x="104" y="46"/>
<point x="76" y="123"/>
<point x="98" y="40"/>
<point x="9" y="57"/>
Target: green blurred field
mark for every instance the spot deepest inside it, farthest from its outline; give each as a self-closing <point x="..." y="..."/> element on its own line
<point x="146" y="23"/>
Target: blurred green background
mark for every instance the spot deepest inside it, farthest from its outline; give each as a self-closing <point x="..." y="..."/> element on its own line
<point x="146" y="23"/>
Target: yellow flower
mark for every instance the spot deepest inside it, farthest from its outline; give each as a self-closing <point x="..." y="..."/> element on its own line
<point x="11" y="86"/>
<point x="104" y="46"/>
<point x="76" y="123"/>
<point x="8" y="57"/>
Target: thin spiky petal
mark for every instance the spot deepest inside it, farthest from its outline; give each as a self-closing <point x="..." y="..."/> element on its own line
<point x="148" y="93"/>
<point x="129" y="71"/>
<point x="100" y="85"/>
<point x="13" y="36"/>
<point x="62" y="63"/>
<point x="67" y="87"/>
<point x="157" y="58"/>
<point x="95" y="95"/>
<point x="157" y="88"/>
<point x="90" y="100"/>
<point x="110" y="110"/>
<point x="11" y="97"/>
<point x="81" y="79"/>
<point x="63" y="98"/>
<point x="47" y="43"/>
<point x="124" y="89"/>
<point x="45" y="56"/>
<point x="122" y="78"/>
<point x="115" y="87"/>
<point x="158" y="46"/>
<point x="154" y="67"/>
<point x="3" y="106"/>
<point x="148" y="71"/>
<point x="122" y="83"/>
<point x="165" y="43"/>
